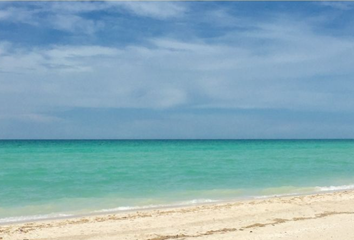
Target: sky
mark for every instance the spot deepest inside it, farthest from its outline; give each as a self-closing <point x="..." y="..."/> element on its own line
<point x="176" y="70"/>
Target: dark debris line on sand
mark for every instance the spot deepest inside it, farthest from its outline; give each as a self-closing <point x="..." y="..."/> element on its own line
<point x="256" y="225"/>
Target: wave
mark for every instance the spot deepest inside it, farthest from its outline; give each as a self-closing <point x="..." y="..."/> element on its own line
<point x="276" y="195"/>
<point x="184" y="203"/>
<point x="109" y="210"/>
<point x="33" y="217"/>
<point x="264" y="193"/>
<point x="335" y="188"/>
<point x="292" y="191"/>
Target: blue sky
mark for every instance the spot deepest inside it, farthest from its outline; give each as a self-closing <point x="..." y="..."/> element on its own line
<point x="135" y="70"/>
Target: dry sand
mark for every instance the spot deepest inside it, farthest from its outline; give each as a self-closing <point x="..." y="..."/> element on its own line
<point x="320" y="216"/>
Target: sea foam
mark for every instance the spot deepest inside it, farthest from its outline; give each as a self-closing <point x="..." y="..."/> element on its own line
<point x="33" y="218"/>
<point x="292" y="192"/>
<point x="335" y="188"/>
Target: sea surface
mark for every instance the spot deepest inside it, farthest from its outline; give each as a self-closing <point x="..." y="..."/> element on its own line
<point x="54" y="178"/>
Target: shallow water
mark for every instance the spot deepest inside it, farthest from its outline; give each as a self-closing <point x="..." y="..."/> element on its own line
<point x="41" y="179"/>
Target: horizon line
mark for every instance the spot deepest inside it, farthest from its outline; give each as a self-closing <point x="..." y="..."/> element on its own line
<point x="170" y="139"/>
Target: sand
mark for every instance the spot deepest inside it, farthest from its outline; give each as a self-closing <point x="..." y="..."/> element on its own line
<point x="319" y="216"/>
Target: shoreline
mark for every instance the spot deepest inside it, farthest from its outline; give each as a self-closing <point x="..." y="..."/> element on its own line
<point x="231" y="219"/>
<point x="163" y="207"/>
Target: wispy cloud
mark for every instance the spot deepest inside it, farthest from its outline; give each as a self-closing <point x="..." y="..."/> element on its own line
<point x="338" y="5"/>
<point x="74" y="24"/>
<point x="158" y="10"/>
<point x="283" y="61"/>
<point x="56" y="58"/>
<point x="289" y="70"/>
<point x="70" y="17"/>
<point x="49" y="17"/>
<point x="18" y="15"/>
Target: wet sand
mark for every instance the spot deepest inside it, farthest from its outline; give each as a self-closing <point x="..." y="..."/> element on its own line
<point x="319" y="216"/>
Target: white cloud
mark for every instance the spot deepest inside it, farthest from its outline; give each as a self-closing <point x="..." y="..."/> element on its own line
<point x="73" y="7"/>
<point x="80" y="51"/>
<point x="73" y="23"/>
<point x="338" y="5"/>
<point x="4" y="14"/>
<point x="46" y="15"/>
<point x="293" y="68"/>
<point x="55" y="59"/>
<point x="69" y="17"/>
<point x="277" y="63"/>
<point x="159" y="10"/>
<point x="18" y="15"/>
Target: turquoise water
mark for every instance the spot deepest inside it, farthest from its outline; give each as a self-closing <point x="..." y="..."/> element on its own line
<point x="41" y="179"/>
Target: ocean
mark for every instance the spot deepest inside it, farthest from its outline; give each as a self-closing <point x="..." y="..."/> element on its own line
<point x="57" y="178"/>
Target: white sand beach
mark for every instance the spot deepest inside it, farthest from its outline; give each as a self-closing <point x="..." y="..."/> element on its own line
<point x="319" y="216"/>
